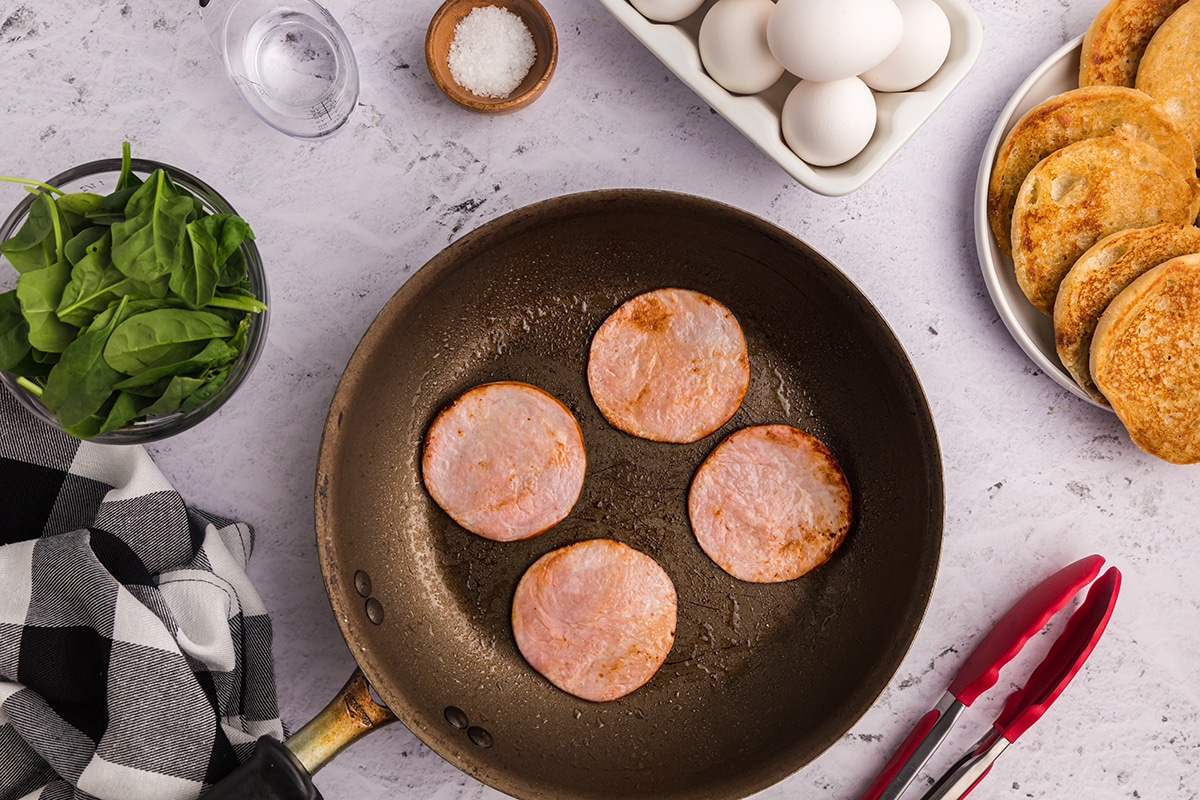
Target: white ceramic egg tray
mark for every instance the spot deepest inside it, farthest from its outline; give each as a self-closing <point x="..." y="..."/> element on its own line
<point x="757" y="116"/>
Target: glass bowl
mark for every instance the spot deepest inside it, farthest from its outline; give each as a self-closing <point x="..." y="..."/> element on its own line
<point x="101" y="177"/>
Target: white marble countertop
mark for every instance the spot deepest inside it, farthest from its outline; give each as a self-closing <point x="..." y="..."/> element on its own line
<point x="1034" y="477"/>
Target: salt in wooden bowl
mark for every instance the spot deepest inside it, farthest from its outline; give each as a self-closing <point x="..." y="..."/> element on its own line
<point x="441" y="34"/>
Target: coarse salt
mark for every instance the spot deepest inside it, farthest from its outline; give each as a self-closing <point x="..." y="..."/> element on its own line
<point x="491" y="52"/>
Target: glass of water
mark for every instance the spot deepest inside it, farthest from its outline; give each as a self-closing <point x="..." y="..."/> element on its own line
<point x="289" y="59"/>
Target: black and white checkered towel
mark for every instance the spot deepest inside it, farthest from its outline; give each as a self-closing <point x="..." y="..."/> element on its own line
<point x="135" y="656"/>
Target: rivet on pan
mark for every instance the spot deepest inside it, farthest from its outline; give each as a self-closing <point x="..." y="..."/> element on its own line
<point x="456" y="717"/>
<point x="362" y="583"/>
<point x="479" y="736"/>
<point x="375" y="611"/>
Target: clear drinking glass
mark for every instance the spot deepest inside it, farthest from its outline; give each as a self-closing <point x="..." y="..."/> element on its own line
<point x="289" y="59"/>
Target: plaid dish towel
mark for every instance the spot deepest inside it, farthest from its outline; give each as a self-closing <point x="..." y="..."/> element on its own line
<point x="135" y="656"/>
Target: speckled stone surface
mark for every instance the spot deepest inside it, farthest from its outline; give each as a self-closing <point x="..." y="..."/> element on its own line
<point x="1034" y="477"/>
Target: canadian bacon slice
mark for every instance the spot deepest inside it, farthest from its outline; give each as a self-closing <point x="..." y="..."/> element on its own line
<point x="669" y="365"/>
<point x="595" y="618"/>
<point x="769" y="504"/>
<point x="505" y="460"/>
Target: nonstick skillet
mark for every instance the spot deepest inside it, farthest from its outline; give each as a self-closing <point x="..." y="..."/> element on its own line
<point x="762" y="677"/>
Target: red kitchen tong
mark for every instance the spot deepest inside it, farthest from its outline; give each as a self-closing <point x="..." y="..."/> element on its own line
<point x="982" y="668"/>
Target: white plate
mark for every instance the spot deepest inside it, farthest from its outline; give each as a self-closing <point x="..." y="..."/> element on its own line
<point x="1033" y="330"/>
<point x="757" y="116"/>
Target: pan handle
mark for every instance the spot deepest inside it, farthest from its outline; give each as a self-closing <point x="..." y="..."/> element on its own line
<point x="271" y="773"/>
<point x="278" y="771"/>
<point x="348" y="717"/>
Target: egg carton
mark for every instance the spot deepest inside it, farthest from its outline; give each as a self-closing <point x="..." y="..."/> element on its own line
<point x="757" y="116"/>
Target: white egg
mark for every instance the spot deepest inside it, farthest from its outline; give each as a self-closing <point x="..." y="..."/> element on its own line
<point x="733" y="45"/>
<point x="827" y="40"/>
<point x="667" y="10"/>
<point x="922" y="50"/>
<point x="829" y="123"/>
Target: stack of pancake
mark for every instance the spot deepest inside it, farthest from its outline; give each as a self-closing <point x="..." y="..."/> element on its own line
<point x="1094" y="195"/>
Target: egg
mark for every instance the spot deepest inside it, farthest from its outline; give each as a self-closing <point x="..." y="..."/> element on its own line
<point x="923" y="48"/>
<point x="828" y="123"/>
<point x="733" y="45"/>
<point x="828" y="40"/>
<point x="667" y="10"/>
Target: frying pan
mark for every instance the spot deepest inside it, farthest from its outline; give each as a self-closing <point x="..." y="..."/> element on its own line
<point x="762" y="677"/>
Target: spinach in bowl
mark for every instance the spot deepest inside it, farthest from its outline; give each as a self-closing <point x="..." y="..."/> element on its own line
<point x="136" y="310"/>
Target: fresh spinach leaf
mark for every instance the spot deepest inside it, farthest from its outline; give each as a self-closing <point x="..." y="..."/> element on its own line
<point x="33" y="246"/>
<point x="233" y="316"/>
<point x="61" y="229"/>
<point x="195" y="281"/>
<point x="42" y="357"/>
<point x="89" y="427"/>
<point x="76" y="207"/>
<point x="40" y="292"/>
<point x="95" y="284"/>
<point x="198" y="209"/>
<point x="241" y="335"/>
<point x="105" y="317"/>
<point x="217" y="353"/>
<point x="229" y="230"/>
<point x="234" y="271"/>
<point x="238" y="299"/>
<point x="126" y="179"/>
<point x="153" y="290"/>
<point x="82" y="380"/>
<point x="149" y="242"/>
<point x="125" y="409"/>
<point x="177" y="391"/>
<point x="80" y="203"/>
<point x="112" y="207"/>
<point x="14" y="332"/>
<point x="77" y="247"/>
<point x="162" y="336"/>
<point x="205" y="392"/>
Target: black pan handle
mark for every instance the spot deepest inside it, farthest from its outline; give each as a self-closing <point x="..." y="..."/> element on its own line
<point x="271" y="773"/>
<point x="276" y="771"/>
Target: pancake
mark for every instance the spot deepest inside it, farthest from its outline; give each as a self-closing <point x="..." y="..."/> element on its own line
<point x="595" y="618"/>
<point x="669" y="365"/>
<point x="1146" y="359"/>
<point x="1170" y="70"/>
<point x="505" y="460"/>
<point x="1083" y="192"/>
<point x="1115" y="40"/>
<point x="1098" y="276"/>
<point x="769" y="504"/>
<point x="1071" y="117"/>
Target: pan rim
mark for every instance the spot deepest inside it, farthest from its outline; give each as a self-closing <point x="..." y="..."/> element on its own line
<point x="337" y="582"/>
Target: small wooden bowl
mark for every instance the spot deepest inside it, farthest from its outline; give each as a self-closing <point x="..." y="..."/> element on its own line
<point x="545" y="41"/>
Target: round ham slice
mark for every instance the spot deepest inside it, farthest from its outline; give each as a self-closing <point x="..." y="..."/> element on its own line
<point x="669" y="365"/>
<point x="769" y="504"/>
<point x="596" y="618"/>
<point x="505" y="460"/>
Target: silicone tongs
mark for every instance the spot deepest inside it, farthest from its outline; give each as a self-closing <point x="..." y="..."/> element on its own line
<point x="982" y="668"/>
